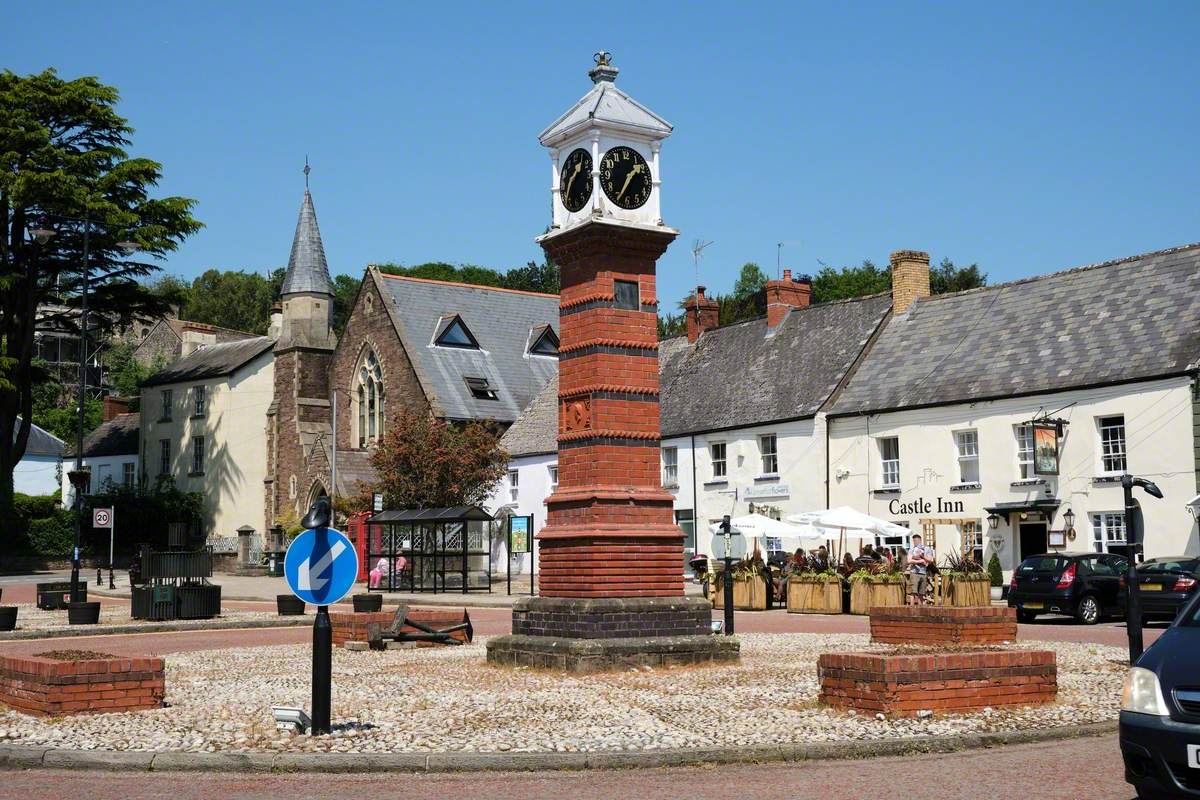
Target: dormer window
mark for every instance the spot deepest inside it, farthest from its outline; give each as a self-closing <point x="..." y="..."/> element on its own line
<point x="453" y="332"/>
<point x="545" y="343"/>
<point x="480" y="389"/>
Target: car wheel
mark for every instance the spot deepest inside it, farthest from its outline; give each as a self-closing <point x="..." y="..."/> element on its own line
<point x="1088" y="610"/>
<point x="1026" y="616"/>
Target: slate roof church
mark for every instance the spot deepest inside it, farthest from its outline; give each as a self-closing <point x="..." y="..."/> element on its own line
<point x="250" y="423"/>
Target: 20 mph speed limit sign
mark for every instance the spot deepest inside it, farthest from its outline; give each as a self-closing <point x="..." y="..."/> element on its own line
<point x="102" y="517"/>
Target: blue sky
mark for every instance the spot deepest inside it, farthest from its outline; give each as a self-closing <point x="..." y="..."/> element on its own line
<point x="1026" y="138"/>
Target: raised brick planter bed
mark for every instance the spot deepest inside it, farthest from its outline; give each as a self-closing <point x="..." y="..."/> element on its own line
<point x="352" y="627"/>
<point x="903" y="684"/>
<point x="56" y="687"/>
<point x="940" y="625"/>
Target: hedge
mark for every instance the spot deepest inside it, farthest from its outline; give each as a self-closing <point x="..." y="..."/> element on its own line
<point x="52" y="536"/>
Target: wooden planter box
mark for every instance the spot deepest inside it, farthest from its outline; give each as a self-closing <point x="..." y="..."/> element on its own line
<point x="749" y="594"/>
<point x="970" y="592"/>
<point x="868" y="594"/>
<point x="809" y="596"/>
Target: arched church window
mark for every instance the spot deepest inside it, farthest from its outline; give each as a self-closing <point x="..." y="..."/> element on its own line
<point x="369" y="395"/>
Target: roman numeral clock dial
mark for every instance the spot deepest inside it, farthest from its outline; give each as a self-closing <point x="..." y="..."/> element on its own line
<point x="625" y="177"/>
<point x="575" y="180"/>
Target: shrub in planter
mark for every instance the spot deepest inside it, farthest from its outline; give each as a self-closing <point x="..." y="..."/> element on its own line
<point x="872" y="588"/>
<point x="996" y="576"/>
<point x="814" y="593"/>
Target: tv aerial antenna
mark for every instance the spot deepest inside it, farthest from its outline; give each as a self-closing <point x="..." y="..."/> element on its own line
<point x="698" y="246"/>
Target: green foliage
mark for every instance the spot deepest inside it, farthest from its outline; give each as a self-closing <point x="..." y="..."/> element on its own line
<point x="530" y="278"/>
<point x="62" y="156"/>
<point x="142" y="514"/>
<point x="125" y="373"/>
<point x="345" y="289"/>
<point x="994" y="572"/>
<point x="841" y="284"/>
<point x="750" y="281"/>
<point x="52" y="536"/>
<point x="946" y="278"/>
<point x="171" y="289"/>
<point x="424" y="462"/>
<point x="233" y="299"/>
<point x="55" y="410"/>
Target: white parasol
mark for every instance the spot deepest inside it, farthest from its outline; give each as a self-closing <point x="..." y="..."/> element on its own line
<point x="843" y="523"/>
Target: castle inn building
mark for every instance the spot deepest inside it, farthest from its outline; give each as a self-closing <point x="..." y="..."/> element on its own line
<point x="922" y="410"/>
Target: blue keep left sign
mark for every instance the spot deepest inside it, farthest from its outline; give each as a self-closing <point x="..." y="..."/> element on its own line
<point x="321" y="566"/>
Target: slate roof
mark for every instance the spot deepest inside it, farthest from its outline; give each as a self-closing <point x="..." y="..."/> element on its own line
<point x="535" y="431"/>
<point x="737" y="375"/>
<point x="117" y="437"/>
<point x="1132" y="319"/>
<point x="607" y="104"/>
<point x="41" y="442"/>
<point x="307" y="270"/>
<point x="211" y="361"/>
<point x="499" y="319"/>
<point x="354" y="470"/>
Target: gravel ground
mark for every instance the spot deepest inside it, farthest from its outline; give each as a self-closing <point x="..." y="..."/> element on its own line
<point x="32" y="618"/>
<point x="450" y="699"/>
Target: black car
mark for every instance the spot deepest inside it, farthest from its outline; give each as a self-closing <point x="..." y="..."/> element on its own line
<point x="1160" y="712"/>
<point x="1087" y="586"/>
<point x="1166" y="584"/>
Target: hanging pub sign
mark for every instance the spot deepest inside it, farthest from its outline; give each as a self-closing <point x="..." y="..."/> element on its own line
<point x="1045" y="448"/>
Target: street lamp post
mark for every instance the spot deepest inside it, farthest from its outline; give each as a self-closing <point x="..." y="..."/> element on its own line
<point x="79" y="479"/>
<point x="1133" y="536"/>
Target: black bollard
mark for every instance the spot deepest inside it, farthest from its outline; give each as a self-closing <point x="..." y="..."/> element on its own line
<point x="322" y="677"/>
<point x="1134" y="534"/>
<point x="728" y="587"/>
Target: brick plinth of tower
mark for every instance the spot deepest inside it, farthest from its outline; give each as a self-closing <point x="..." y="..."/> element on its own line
<point x="611" y="556"/>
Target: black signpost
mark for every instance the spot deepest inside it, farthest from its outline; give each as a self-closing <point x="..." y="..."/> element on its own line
<point x="322" y="675"/>
<point x="727" y="576"/>
<point x="1134" y="530"/>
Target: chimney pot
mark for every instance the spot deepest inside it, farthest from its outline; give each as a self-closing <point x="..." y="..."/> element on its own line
<point x="785" y="294"/>
<point x="703" y="313"/>
<point x="787" y="274"/>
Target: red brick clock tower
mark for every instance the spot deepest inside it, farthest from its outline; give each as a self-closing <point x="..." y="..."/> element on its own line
<point x="611" y="557"/>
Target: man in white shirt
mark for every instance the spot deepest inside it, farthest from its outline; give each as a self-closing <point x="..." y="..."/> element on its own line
<point x="919" y="559"/>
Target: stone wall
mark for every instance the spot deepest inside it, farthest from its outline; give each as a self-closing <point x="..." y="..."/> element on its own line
<point x="903" y="685"/>
<point x="611" y="618"/>
<point x="49" y="687"/>
<point x="932" y="625"/>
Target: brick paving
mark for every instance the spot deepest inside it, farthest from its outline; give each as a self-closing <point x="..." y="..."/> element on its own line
<point x="1063" y="770"/>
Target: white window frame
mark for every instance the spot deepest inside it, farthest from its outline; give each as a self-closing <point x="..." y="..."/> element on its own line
<point x="966" y="446"/>
<point x="768" y="449"/>
<point x="1105" y="526"/>
<point x="128" y="474"/>
<point x="720" y="466"/>
<point x="889" y="468"/>
<point x="552" y="470"/>
<point x="200" y="400"/>
<point x="1114" y="454"/>
<point x="514" y="485"/>
<point x="1023" y="434"/>
<point x="197" y="455"/>
<point x="670" y="466"/>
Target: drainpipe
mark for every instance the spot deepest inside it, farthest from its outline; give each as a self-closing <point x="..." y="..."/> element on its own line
<point x="827" y="461"/>
<point x="695" y="497"/>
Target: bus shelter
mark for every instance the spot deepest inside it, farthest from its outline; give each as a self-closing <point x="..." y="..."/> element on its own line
<point x="430" y="550"/>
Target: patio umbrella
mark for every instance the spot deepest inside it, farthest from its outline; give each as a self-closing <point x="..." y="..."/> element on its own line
<point x="848" y="523"/>
<point x="761" y="527"/>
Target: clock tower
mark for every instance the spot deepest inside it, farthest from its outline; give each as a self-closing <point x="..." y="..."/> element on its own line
<point x="610" y="563"/>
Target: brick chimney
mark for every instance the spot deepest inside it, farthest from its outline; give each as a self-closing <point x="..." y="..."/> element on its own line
<point x="706" y="319"/>
<point x="786" y="294"/>
<point x="114" y="406"/>
<point x="910" y="278"/>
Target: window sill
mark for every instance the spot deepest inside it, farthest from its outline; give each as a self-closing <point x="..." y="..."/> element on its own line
<point x="973" y="486"/>
<point x="670" y="485"/>
<point x="715" y="484"/>
<point x="1029" y="482"/>
<point x="1106" y="479"/>
<point x="887" y="490"/>
<point x="768" y="478"/>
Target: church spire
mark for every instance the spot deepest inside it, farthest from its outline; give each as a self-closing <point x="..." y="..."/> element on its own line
<point x="307" y="270"/>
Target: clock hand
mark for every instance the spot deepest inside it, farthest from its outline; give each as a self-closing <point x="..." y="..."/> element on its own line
<point x="571" y="180"/>
<point x="636" y="169"/>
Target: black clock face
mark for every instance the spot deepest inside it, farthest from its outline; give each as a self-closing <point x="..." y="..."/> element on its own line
<point x="625" y="176"/>
<point x="575" y="181"/>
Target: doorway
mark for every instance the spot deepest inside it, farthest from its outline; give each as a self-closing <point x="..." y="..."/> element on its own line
<point x="685" y="519"/>
<point x="1032" y="539"/>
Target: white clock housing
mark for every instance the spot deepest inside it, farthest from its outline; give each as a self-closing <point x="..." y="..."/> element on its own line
<point x="605" y="118"/>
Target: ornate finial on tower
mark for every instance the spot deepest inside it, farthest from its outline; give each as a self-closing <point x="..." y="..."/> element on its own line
<point x="604" y="70"/>
<point x="307" y="169"/>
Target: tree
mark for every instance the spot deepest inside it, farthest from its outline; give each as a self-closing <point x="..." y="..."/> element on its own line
<point x="63" y="158"/>
<point x="946" y="278"/>
<point x="841" y="284"/>
<point x="55" y="412"/>
<point x="345" y="289"/>
<point x="750" y="281"/>
<point x="424" y="462"/>
<point x="533" y="277"/>
<point x="232" y="299"/>
<point x="125" y="373"/>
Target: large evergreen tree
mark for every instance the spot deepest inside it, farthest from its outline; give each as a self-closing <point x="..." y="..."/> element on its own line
<point x="63" y="158"/>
